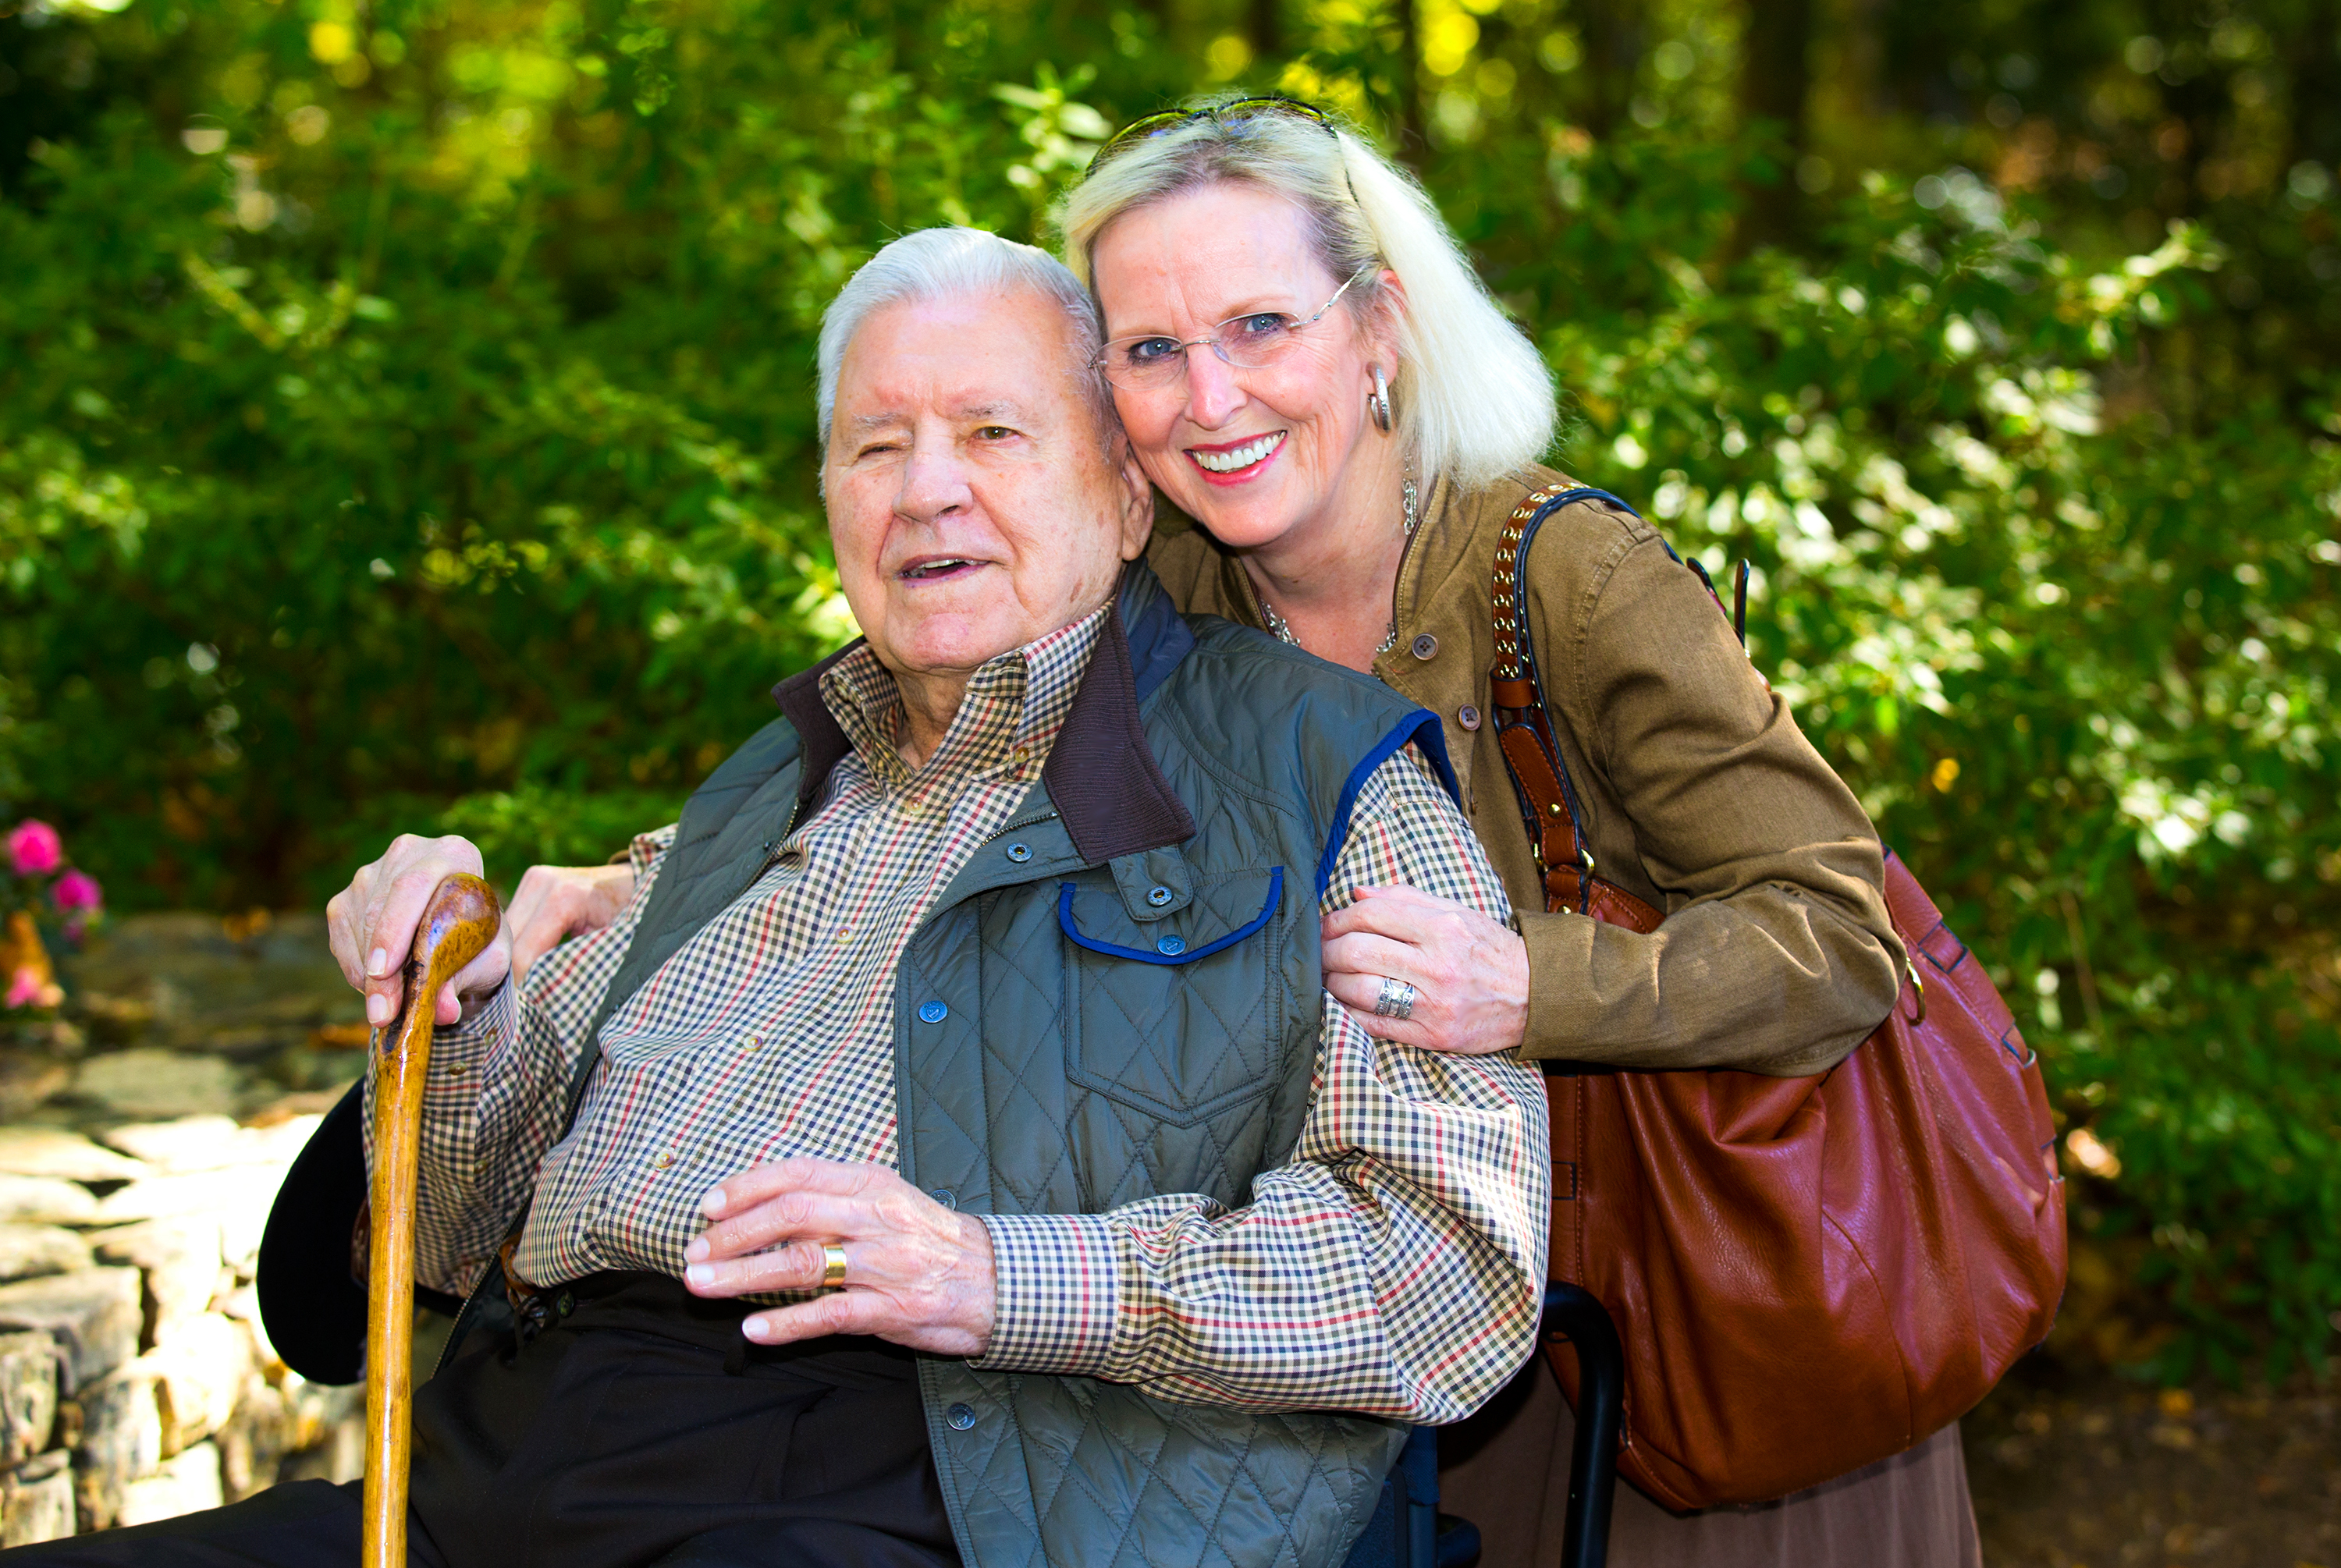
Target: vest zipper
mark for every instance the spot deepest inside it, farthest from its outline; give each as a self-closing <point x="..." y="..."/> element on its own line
<point x="1008" y="827"/>
<point x="773" y="844"/>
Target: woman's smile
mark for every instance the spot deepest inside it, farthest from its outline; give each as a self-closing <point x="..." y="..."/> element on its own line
<point x="1235" y="462"/>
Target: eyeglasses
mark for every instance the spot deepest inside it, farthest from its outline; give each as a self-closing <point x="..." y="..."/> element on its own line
<point x="1169" y="120"/>
<point x="1249" y="342"/>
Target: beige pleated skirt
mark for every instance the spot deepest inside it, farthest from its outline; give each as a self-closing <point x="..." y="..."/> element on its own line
<point x="1507" y="1471"/>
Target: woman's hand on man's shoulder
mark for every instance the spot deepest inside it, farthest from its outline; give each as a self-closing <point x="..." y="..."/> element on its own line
<point x="1470" y="974"/>
<point x="554" y="903"/>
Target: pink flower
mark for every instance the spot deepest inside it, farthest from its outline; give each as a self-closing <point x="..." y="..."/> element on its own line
<point x="77" y="890"/>
<point x="27" y="989"/>
<point x="36" y="850"/>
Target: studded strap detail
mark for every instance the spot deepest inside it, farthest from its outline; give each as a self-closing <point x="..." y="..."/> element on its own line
<point x="1531" y="752"/>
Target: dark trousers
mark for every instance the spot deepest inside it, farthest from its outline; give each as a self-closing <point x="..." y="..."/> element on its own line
<point x="641" y="1429"/>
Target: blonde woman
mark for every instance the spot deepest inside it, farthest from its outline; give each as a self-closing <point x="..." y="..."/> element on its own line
<point x="1343" y="420"/>
<point x="1310" y="372"/>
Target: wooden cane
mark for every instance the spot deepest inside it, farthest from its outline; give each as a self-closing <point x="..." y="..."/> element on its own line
<point x="457" y="927"/>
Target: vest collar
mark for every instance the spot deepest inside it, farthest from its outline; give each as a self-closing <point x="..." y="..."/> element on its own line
<point x="1101" y="774"/>
<point x="818" y="731"/>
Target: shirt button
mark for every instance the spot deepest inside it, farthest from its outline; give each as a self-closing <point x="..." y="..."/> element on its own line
<point x="961" y="1416"/>
<point x="663" y="1159"/>
<point x="1021" y="756"/>
<point x="1170" y="947"/>
<point x="1425" y="645"/>
<point x="1019" y="853"/>
<point x="1467" y="716"/>
<point x="932" y="1012"/>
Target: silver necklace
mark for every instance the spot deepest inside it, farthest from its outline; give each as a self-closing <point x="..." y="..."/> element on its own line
<point x="1389" y="639"/>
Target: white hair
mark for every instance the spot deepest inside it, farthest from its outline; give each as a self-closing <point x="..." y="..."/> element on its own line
<point x="956" y="263"/>
<point x="1470" y="396"/>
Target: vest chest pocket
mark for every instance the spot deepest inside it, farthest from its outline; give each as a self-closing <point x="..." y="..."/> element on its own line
<point x="1181" y="1017"/>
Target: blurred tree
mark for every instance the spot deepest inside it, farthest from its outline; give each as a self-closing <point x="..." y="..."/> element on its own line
<point x="1613" y="44"/>
<point x="1775" y="86"/>
<point x="1265" y="30"/>
<point x="1406" y="121"/>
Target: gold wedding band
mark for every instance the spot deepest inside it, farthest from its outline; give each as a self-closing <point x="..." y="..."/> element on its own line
<point x="832" y="1266"/>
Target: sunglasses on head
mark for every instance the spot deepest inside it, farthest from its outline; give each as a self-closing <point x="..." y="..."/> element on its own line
<point x="1240" y="109"/>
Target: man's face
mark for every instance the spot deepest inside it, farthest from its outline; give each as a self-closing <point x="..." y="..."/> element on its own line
<point x="972" y="504"/>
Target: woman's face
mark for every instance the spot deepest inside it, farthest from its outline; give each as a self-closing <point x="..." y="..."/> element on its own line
<point x="1253" y="455"/>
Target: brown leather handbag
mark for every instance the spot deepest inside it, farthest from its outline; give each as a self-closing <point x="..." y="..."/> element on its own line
<point x="1809" y="1274"/>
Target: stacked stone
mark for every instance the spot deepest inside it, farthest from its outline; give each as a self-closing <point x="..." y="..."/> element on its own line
<point x="143" y="1137"/>
<point x="135" y="1380"/>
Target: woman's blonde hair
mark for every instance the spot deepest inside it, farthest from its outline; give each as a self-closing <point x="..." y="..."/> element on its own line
<point x="1470" y="397"/>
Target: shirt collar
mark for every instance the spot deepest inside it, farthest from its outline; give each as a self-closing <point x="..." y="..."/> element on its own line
<point x="1014" y="705"/>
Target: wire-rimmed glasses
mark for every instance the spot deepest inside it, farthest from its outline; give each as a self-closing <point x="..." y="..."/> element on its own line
<point x="1152" y="361"/>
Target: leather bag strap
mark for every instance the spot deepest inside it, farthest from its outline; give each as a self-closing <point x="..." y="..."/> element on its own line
<point x="1524" y="734"/>
<point x="1532" y="756"/>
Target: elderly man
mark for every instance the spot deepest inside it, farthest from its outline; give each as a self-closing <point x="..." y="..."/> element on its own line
<point x="969" y="1028"/>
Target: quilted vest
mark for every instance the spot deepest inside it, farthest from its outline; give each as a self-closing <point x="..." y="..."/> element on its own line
<point x="1116" y="997"/>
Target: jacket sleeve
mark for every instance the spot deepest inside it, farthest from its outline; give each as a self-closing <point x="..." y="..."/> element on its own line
<point x="1393" y="1267"/>
<point x="1777" y="954"/>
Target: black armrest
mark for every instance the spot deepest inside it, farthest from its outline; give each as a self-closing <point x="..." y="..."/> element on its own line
<point x="1570" y="1312"/>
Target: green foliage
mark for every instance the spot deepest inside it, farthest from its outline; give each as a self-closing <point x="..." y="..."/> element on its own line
<point x="405" y="423"/>
<point x="2082" y="676"/>
<point x="536" y="823"/>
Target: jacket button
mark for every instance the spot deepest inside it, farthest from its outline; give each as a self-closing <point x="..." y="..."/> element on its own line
<point x="961" y="1416"/>
<point x="945" y="1196"/>
<point x="932" y="1012"/>
<point x="1467" y="716"/>
<point x="1158" y="896"/>
<point x="1019" y="853"/>
<point x="1170" y="947"/>
<point x="1425" y="645"/>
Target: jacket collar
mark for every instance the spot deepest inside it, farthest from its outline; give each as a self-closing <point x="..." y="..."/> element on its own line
<point x="1101" y="774"/>
<point x="820" y="734"/>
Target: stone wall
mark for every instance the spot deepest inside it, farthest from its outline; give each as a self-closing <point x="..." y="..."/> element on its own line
<point x="141" y="1141"/>
<point x="135" y="1379"/>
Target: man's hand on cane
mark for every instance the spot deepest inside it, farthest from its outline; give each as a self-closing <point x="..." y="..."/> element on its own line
<point x="371" y="925"/>
<point x="914" y="1272"/>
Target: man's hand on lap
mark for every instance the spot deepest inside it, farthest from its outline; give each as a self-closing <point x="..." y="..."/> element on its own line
<point x="916" y="1273"/>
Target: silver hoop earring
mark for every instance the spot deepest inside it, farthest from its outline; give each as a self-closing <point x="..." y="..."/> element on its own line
<point x="1378" y="400"/>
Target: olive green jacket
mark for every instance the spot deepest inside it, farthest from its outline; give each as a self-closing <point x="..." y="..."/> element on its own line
<point x="1701" y="796"/>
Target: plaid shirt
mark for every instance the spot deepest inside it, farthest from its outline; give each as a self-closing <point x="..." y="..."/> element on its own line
<point x="1393" y="1267"/>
